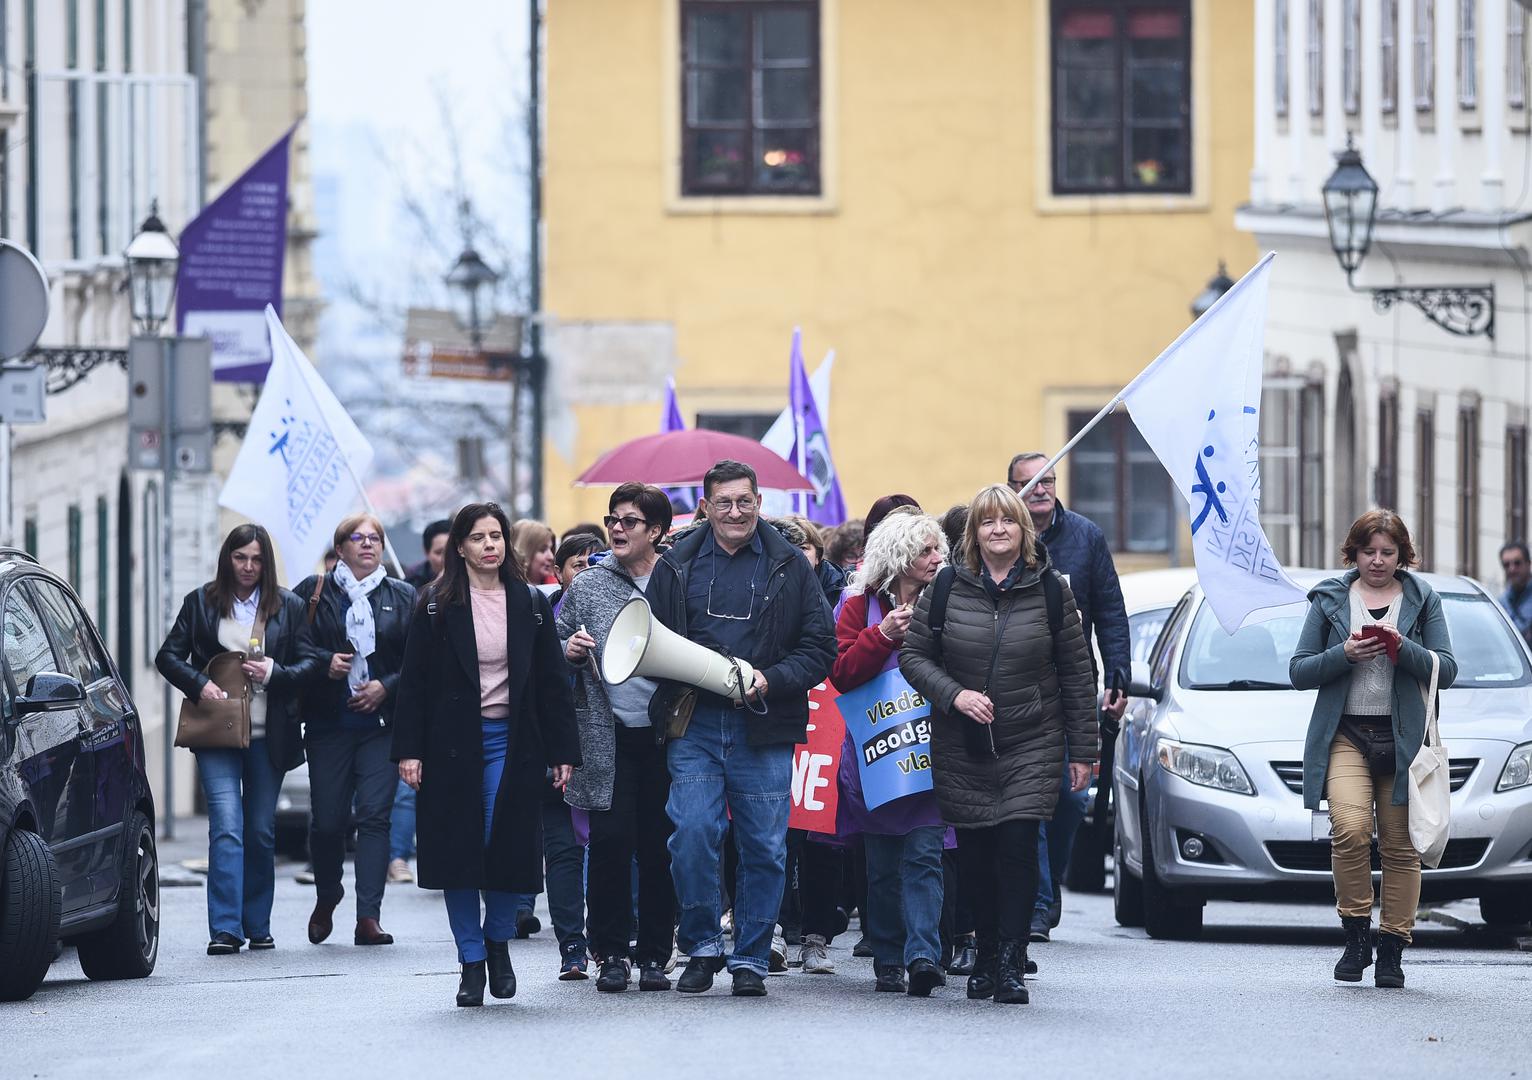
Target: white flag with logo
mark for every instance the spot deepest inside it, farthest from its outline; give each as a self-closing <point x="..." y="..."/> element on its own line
<point x="1198" y="407"/>
<point x="297" y="471"/>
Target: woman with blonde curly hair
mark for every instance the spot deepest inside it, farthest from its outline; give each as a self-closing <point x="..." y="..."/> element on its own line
<point x="533" y="543"/>
<point x="902" y="837"/>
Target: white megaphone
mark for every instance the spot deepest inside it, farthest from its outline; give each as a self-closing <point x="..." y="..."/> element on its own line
<point x="639" y="644"/>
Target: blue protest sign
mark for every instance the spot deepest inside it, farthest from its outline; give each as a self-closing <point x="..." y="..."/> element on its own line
<point x="890" y="725"/>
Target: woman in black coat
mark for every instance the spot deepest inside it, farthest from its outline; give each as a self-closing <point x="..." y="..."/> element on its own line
<point x="241" y="786"/>
<point x="484" y="708"/>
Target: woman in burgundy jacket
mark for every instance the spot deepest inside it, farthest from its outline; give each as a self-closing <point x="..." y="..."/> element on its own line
<point x="902" y="837"/>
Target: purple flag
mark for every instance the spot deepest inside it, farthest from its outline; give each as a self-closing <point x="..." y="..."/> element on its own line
<point x="231" y="268"/>
<point x="811" y="448"/>
<point x="684" y="496"/>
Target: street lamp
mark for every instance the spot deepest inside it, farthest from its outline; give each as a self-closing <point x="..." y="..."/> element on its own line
<point x="1217" y="285"/>
<point x="152" y="257"/>
<point x="472" y="285"/>
<point x="1351" y="210"/>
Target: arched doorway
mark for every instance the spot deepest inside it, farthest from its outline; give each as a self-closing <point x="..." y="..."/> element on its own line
<point x="125" y="605"/>
<point x="1349" y="498"/>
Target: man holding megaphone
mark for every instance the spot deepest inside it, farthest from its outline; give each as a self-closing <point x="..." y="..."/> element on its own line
<point x="746" y="593"/>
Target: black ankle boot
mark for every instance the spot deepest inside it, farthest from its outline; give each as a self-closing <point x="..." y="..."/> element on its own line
<point x="981" y="984"/>
<point x="1010" y="974"/>
<point x="1389" y="973"/>
<point x="470" y="988"/>
<point x="964" y="955"/>
<point x="1358" y="955"/>
<point x="502" y="977"/>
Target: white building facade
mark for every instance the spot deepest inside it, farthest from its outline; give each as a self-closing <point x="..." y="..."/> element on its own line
<point x="1364" y="407"/>
<point x="105" y="117"/>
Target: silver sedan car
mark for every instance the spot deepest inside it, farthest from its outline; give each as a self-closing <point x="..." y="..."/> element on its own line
<point x="1209" y="778"/>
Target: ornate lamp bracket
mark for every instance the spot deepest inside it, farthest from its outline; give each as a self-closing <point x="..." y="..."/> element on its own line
<point x="1465" y="310"/>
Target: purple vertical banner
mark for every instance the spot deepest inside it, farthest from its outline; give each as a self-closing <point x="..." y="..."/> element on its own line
<point x="811" y="448"/>
<point x="672" y="421"/>
<point x="231" y="268"/>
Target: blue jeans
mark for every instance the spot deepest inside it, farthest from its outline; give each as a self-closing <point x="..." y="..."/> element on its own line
<point x="1054" y="840"/>
<point x="401" y="824"/>
<point x="904" y="896"/>
<point x="499" y="922"/>
<point x="715" y="775"/>
<point x="241" y="790"/>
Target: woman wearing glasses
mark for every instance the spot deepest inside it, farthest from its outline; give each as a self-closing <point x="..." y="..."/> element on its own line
<point x="356" y="619"/>
<point x="624" y="782"/>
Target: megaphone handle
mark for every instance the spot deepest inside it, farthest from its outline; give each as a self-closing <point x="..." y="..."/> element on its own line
<point x="744" y="697"/>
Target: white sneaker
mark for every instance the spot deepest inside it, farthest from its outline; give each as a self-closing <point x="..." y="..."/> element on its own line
<point x="816" y="956"/>
<point x="399" y="872"/>
<point x="778" y="965"/>
<point x="675" y="954"/>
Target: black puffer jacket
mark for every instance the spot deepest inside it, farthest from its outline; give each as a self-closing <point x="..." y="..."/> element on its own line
<point x="1043" y="693"/>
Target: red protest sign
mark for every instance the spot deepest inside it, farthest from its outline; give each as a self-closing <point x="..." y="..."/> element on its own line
<point x="815" y="763"/>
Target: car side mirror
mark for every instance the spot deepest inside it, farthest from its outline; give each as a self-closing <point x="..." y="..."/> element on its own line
<point x="48" y="689"/>
<point x="1140" y="684"/>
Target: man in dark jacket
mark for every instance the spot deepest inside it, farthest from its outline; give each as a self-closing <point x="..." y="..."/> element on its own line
<point x="433" y="541"/>
<point x="1080" y="552"/>
<point x="745" y="592"/>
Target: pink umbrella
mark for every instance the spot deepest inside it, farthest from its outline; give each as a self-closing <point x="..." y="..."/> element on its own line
<point x="677" y="458"/>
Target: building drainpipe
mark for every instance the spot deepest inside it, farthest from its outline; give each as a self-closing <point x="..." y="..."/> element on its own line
<point x="537" y="365"/>
<point x="196" y="66"/>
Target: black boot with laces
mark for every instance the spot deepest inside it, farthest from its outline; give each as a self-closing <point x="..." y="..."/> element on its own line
<point x="1389" y="972"/>
<point x="1358" y="955"/>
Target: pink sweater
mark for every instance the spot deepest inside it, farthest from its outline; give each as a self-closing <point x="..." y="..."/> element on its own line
<point x="490" y="635"/>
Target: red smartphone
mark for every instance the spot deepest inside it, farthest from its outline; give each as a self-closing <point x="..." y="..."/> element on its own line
<point x="1390" y="642"/>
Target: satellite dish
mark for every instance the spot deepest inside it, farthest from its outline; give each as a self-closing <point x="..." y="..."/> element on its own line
<point x="23" y="300"/>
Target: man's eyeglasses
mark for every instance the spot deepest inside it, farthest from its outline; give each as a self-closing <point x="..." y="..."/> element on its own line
<point x="629" y="522"/>
<point x="1512" y="565"/>
<point x="365" y="539"/>
<point x="745" y="505"/>
<point x="1050" y="482"/>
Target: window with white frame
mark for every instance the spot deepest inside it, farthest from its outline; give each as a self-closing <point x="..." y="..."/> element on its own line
<point x="1280" y="57"/>
<point x="1280" y="485"/>
<point x="1351" y="56"/>
<point x="1468" y="489"/>
<point x="1425" y="55"/>
<point x="1516" y="56"/>
<point x="1425" y="488"/>
<point x="1314" y="49"/>
<point x="1468" y="55"/>
<point x="1388" y="57"/>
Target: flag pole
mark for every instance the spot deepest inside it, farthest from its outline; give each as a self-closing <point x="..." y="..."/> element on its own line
<point x="1123" y="393"/>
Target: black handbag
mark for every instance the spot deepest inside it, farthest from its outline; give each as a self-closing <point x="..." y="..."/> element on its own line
<point x="1374" y="741"/>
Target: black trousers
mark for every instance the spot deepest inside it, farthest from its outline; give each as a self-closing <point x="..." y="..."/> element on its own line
<point x="635" y="826"/>
<point x="564" y="870"/>
<point x="820" y="868"/>
<point x="346" y="766"/>
<point x="999" y="879"/>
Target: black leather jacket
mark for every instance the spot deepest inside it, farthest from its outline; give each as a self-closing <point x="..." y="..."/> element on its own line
<point x="193" y="641"/>
<point x="393" y="602"/>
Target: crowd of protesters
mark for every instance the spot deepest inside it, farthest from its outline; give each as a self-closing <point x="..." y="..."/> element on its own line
<point x="459" y="715"/>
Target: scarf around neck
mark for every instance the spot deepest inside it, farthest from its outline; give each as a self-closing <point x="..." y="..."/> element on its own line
<point x="360" y="630"/>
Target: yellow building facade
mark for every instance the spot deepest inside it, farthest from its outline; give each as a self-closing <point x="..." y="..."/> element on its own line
<point x="1009" y="219"/>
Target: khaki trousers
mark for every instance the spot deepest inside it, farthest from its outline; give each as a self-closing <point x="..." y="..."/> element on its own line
<point x="1356" y="798"/>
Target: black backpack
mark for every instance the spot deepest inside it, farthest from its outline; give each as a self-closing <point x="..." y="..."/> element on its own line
<point x="941" y="591"/>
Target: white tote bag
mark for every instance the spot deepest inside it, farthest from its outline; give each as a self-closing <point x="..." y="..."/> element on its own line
<point x="1430" y="785"/>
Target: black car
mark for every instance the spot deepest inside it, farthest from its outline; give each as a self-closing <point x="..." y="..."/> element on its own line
<point x="77" y="855"/>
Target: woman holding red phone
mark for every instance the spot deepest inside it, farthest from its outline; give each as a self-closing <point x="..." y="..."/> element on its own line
<point x="1367" y="647"/>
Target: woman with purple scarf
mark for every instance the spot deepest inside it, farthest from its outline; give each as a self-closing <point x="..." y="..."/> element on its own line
<point x="903" y="837"/>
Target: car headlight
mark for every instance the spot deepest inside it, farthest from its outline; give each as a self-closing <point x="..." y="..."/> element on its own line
<point x="1518" y="769"/>
<point x="1205" y="765"/>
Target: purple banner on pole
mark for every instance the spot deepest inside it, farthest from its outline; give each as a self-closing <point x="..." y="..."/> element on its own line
<point x="231" y="268"/>
<point x="672" y="421"/>
<point x="811" y="448"/>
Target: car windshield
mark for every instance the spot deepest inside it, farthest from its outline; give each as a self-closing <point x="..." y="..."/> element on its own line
<point x="1256" y="657"/>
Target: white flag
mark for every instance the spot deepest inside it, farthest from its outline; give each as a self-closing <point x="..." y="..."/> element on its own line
<point x="782" y="436"/>
<point x="298" y="470"/>
<point x="1198" y="407"/>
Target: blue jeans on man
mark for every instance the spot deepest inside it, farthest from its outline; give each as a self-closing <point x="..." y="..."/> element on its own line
<point x="904" y="896"/>
<point x="401" y="824"/>
<point x="241" y="789"/>
<point x="718" y="777"/>
<point x="1054" y="840"/>
<point x="499" y="923"/>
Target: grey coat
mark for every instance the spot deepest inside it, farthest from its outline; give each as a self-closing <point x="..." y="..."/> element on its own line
<point x="593" y="600"/>
<point x="1044" y="694"/>
<point x="1320" y="661"/>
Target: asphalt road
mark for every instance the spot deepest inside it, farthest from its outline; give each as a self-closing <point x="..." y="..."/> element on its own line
<point x="1253" y="999"/>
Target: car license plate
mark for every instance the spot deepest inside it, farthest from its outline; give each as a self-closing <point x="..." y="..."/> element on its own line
<point x="1321" y="825"/>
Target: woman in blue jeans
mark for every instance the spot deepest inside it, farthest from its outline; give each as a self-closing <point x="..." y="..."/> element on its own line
<point x="241" y="605"/>
<point x="484" y="709"/>
<point x="903" y="837"/>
